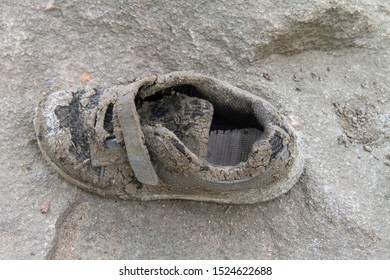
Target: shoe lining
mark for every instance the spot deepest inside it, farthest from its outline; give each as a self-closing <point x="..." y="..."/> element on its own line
<point x="229" y="143"/>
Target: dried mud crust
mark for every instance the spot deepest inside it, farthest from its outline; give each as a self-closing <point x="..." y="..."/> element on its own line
<point x="80" y="135"/>
<point x="72" y="135"/>
<point x="189" y="118"/>
<point x="358" y="125"/>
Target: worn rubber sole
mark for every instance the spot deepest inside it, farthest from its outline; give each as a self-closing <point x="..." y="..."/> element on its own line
<point x="245" y="197"/>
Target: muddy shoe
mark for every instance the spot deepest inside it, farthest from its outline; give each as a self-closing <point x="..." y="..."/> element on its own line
<point x="176" y="136"/>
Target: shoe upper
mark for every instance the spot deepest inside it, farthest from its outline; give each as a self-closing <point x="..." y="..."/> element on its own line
<point x="181" y="133"/>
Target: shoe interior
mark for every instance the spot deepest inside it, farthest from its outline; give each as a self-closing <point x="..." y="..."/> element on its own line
<point x="229" y="143"/>
<point x="230" y="134"/>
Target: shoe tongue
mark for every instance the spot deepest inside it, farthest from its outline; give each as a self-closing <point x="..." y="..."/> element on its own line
<point x="188" y="117"/>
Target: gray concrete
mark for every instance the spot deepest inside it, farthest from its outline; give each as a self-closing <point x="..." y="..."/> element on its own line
<point x="325" y="64"/>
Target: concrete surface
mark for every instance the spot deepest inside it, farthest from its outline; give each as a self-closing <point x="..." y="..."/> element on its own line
<point x="325" y="64"/>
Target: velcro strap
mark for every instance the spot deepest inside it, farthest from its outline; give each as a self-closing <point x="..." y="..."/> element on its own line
<point x="137" y="152"/>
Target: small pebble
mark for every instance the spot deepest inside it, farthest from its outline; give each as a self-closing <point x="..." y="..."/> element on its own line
<point x="49" y="5"/>
<point x="267" y="76"/>
<point x="349" y="134"/>
<point x="45" y="207"/>
<point x="294" y="121"/>
<point x="367" y="148"/>
<point x="342" y="140"/>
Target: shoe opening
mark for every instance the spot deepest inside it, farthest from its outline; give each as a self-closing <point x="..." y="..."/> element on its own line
<point x="214" y="131"/>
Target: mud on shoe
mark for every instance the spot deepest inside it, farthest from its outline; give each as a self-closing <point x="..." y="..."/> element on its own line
<point x="177" y="136"/>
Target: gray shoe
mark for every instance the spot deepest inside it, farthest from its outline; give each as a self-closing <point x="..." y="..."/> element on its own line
<point x="176" y="136"/>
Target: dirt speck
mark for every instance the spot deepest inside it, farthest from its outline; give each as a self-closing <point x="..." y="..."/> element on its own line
<point x="86" y="77"/>
<point x="267" y="76"/>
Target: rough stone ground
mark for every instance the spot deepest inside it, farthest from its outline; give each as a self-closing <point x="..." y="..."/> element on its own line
<point x="325" y="64"/>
